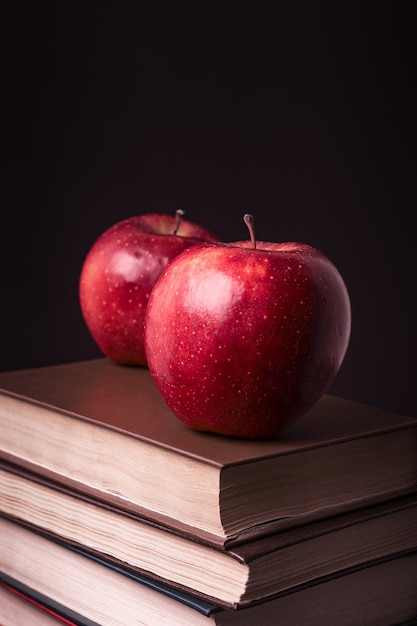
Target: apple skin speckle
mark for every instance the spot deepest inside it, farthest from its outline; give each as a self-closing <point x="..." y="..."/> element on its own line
<point x="243" y="341"/>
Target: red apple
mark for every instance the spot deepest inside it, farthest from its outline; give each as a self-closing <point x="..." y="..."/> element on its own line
<point x="119" y="272"/>
<point x="243" y="338"/>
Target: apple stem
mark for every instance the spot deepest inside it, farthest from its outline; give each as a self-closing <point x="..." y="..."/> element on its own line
<point x="179" y="213"/>
<point x="248" y="218"/>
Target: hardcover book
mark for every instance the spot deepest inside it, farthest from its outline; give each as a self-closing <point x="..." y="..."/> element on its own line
<point x="103" y="429"/>
<point x="232" y="577"/>
<point x="21" y="606"/>
<point x="58" y="578"/>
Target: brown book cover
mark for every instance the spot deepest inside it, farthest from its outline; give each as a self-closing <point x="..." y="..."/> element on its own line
<point x="381" y="593"/>
<point x="104" y="428"/>
<point x="234" y="577"/>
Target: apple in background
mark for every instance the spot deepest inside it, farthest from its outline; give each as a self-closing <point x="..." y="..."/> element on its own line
<point x="243" y="338"/>
<point x="119" y="272"/>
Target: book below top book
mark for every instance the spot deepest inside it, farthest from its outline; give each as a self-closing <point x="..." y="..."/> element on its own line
<point x="236" y="577"/>
<point x="104" y="429"/>
<point x="377" y="594"/>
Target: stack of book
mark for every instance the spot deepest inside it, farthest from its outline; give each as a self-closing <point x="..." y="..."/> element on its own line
<point x="113" y="512"/>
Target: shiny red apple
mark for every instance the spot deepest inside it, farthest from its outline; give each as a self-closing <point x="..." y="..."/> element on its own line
<point x="119" y="272"/>
<point x="243" y="338"/>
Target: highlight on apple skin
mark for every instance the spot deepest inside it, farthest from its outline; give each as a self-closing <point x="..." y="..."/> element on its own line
<point x="119" y="272"/>
<point x="242" y="339"/>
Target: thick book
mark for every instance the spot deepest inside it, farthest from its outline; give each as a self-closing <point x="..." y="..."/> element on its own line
<point x="58" y="577"/>
<point x="233" y="577"/>
<point x="22" y="606"/>
<point x="104" y="428"/>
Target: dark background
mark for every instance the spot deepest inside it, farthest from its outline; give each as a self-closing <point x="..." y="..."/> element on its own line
<point x="301" y="113"/>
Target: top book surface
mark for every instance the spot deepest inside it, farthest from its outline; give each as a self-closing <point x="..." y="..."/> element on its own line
<point x="104" y="429"/>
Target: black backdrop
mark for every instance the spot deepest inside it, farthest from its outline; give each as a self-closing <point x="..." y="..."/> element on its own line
<point x="301" y="113"/>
